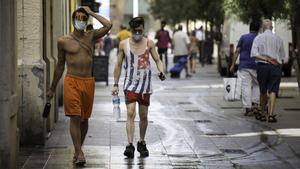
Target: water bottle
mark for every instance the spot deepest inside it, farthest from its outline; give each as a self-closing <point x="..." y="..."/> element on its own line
<point x="116" y="109"/>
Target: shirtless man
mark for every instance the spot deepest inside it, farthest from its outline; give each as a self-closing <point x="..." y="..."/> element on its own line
<point x="75" y="49"/>
<point x="136" y="52"/>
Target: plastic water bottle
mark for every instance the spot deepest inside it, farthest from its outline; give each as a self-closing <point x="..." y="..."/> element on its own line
<point x="116" y="109"/>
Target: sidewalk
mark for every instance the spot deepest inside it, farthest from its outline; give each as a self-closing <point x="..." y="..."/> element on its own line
<point x="190" y="126"/>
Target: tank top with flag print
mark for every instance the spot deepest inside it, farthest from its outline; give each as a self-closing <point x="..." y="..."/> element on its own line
<point x="138" y="70"/>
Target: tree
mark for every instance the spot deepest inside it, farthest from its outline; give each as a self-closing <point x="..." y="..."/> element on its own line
<point x="293" y="7"/>
<point x="169" y="10"/>
<point x="176" y="11"/>
<point x="248" y="10"/>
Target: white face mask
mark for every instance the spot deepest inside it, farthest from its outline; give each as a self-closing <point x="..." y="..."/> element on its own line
<point x="79" y="25"/>
<point x="137" y="37"/>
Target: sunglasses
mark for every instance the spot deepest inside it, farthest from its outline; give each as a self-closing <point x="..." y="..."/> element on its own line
<point x="81" y="17"/>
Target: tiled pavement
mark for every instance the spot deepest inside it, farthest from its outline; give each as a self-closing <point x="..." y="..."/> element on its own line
<point x="191" y="126"/>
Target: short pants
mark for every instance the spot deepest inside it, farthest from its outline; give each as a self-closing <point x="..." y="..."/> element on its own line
<point x="268" y="77"/>
<point x="79" y="96"/>
<point x="142" y="99"/>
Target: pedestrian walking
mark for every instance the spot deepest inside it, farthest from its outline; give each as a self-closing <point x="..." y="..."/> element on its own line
<point x="247" y="69"/>
<point x="268" y="51"/>
<point x="200" y="35"/>
<point x="136" y="52"/>
<point x="209" y="47"/>
<point x="193" y="51"/>
<point x="181" y="42"/>
<point x="107" y="44"/>
<point x="163" y="41"/>
<point x="75" y="50"/>
<point x="123" y="33"/>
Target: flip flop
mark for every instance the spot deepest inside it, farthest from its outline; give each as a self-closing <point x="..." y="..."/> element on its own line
<point x="263" y="118"/>
<point x="255" y="110"/>
<point x="80" y="161"/>
<point x="272" y="119"/>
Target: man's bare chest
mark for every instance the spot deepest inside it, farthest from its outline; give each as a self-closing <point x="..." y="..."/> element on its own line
<point x="76" y="45"/>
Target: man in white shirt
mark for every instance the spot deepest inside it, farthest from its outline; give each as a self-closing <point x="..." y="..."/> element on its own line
<point x="200" y="35"/>
<point x="181" y="43"/>
<point x="268" y="50"/>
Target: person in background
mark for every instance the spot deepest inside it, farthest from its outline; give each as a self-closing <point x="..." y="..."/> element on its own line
<point x="193" y="51"/>
<point x="163" y="41"/>
<point x="209" y="47"/>
<point x="107" y="44"/>
<point x="181" y="42"/>
<point x="97" y="42"/>
<point x="200" y="35"/>
<point x="268" y="50"/>
<point x="123" y="33"/>
<point x="247" y="69"/>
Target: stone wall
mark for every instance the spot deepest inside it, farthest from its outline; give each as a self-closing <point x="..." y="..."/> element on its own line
<point x="8" y="97"/>
<point x="31" y="71"/>
<point x="39" y="24"/>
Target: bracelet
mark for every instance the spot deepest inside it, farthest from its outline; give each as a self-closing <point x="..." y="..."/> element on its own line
<point x="116" y="85"/>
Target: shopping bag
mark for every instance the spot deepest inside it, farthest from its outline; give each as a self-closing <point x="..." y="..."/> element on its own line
<point x="232" y="89"/>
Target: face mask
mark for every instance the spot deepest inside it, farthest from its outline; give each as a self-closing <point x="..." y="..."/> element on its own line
<point x="79" y="25"/>
<point x="137" y="38"/>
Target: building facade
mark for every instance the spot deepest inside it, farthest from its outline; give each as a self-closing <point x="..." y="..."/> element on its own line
<point x="28" y="48"/>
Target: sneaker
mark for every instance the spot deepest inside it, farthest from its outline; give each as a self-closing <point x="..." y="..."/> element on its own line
<point x="129" y="151"/>
<point x="142" y="149"/>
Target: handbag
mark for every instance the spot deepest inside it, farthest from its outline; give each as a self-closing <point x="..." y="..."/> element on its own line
<point x="232" y="89"/>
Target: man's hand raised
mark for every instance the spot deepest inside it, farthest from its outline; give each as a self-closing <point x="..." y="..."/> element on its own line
<point x="87" y="9"/>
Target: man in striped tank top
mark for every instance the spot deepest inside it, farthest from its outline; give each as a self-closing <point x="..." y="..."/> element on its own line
<point x="136" y="52"/>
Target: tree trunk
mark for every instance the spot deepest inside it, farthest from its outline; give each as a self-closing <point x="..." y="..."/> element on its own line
<point x="205" y="25"/>
<point x="187" y="26"/>
<point x="298" y="56"/>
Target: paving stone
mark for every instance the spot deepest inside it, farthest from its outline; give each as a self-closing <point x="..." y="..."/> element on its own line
<point x="221" y="139"/>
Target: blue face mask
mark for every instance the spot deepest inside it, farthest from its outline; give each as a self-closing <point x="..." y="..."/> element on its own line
<point x="79" y="25"/>
<point x="137" y="37"/>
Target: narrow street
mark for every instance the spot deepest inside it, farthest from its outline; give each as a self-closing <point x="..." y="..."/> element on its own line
<point x="190" y="126"/>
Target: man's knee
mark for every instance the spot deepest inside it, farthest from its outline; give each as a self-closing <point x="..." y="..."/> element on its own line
<point x="75" y="118"/>
<point x="143" y="113"/>
<point x="143" y="117"/>
<point x="131" y="114"/>
<point x="85" y="121"/>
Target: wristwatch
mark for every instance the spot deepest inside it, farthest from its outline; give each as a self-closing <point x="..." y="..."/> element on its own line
<point x="116" y="85"/>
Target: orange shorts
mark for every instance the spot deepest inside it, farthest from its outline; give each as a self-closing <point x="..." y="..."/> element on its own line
<point x="79" y="96"/>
